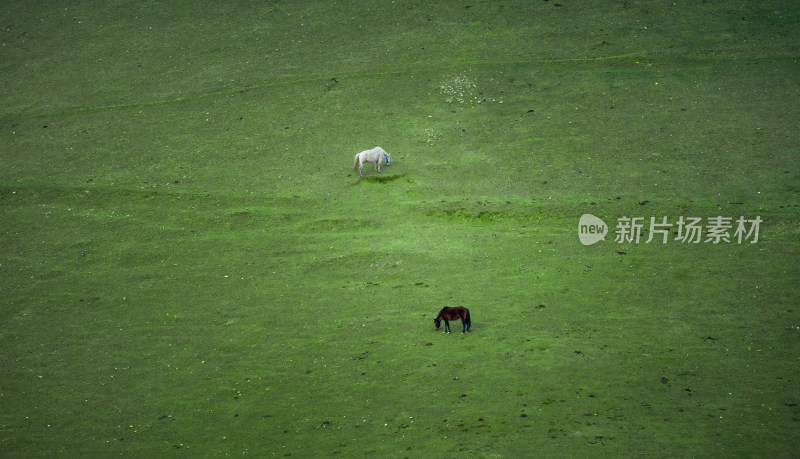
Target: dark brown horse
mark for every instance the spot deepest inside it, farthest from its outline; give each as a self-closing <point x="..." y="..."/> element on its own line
<point x="449" y="313"/>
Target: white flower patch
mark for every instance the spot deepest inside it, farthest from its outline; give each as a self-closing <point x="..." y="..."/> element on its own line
<point x="430" y="136"/>
<point x="459" y="89"/>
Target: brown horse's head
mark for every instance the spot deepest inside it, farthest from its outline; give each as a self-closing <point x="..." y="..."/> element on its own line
<point x="436" y="323"/>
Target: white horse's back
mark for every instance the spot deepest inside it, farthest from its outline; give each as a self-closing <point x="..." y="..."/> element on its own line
<point x="373" y="155"/>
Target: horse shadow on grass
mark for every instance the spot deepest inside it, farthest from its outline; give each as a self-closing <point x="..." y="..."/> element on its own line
<point x="383" y="179"/>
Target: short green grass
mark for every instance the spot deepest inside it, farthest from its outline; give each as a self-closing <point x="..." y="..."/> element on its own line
<point x="191" y="266"/>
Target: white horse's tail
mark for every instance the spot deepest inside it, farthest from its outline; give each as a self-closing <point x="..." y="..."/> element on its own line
<point x="355" y="164"/>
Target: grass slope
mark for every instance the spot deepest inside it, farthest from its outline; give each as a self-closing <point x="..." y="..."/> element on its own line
<point x="190" y="265"/>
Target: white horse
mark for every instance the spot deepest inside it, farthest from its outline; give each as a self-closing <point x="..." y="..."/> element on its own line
<point x="376" y="155"/>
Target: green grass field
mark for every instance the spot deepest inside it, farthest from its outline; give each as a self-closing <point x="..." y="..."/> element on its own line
<point x="191" y="268"/>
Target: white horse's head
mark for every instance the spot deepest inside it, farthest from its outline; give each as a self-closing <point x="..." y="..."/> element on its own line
<point x="388" y="160"/>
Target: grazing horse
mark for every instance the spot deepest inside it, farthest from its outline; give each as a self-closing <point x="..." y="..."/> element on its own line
<point x="448" y="313"/>
<point x="376" y="155"/>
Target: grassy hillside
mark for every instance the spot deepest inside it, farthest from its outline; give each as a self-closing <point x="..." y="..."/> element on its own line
<point x="190" y="265"/>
